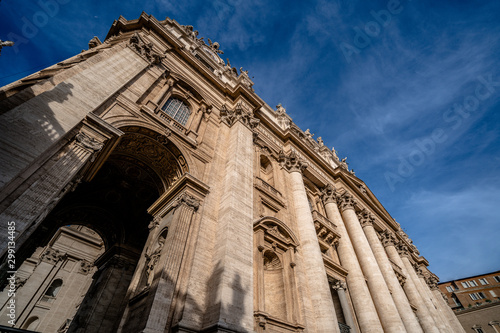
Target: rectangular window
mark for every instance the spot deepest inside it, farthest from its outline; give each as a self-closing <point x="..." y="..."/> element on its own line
<point x="493" y="293"/>
<point x="497" y="278"/>
<point x="477" y="296"/>
<point x="450" y="289"/>
<point x="465" y="285"/>
<point x="473" y="283"/>
<point x="483" y="281"/>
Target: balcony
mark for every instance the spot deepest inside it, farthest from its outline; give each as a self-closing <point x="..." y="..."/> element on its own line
<point x="325" y="229"/>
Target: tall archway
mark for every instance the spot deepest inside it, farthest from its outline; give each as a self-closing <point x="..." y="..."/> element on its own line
<point x="114" y="202"/>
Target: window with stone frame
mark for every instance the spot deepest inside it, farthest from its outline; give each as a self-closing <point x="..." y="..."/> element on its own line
<point x="177" y="110"/>
<point x="483" y="281"/>
<point x="477" y="296"/>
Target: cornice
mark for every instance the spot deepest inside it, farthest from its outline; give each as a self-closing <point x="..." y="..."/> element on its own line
<point x="150" y="23"/>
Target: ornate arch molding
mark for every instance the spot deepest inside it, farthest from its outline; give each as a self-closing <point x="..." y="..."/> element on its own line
<point x="155" y="150"/>
<point x="278" y="230"/>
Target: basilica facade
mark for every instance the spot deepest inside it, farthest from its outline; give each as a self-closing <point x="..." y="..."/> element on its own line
<point x="153" y="191"/>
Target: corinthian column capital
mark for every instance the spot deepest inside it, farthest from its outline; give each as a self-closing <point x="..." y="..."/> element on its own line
<point x="187" y="200"/>
<point x="366" y="218"/>
<point x="403" y="250"/>
<point x="346" y="201"/>
<point x="292" y="162"/>
<point x="388" y="238"/>
<point x="329" y="194"/>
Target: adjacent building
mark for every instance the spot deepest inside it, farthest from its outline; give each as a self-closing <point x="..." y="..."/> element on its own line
<point x="476" y="301"/>
<point x="215" y="212"/>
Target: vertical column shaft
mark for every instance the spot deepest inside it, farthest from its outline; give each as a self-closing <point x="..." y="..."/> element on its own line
<point x="413" y="293"/>
<point x="362" y="301"/>
<point x="349" y="318"/>
<point x="326" y="320"/>
<point x="450" y="315"/>
<point x="409" y="319"/>
<point x="381" y="296"/>
<point x="440" y="319"/>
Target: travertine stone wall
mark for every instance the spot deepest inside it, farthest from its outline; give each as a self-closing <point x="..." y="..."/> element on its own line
<point x="47" y="117"/>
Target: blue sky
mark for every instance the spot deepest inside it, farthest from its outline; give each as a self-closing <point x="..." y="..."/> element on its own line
<point x="409" y="91"/>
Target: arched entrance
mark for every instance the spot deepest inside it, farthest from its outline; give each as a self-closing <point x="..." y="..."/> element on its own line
<point x="142" y="166"/>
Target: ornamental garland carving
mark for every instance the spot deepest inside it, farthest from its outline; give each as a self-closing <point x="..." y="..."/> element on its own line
<point x="88" y="142"/>
<point x="230" y="117"/>
<point x="292" y="162"/>
<point x="366" y="219"/>
<point x="346" y="201"/>
<point x="329" y="194"/>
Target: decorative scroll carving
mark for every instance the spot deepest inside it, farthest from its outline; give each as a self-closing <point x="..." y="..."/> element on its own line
<point x="88" y="142"/>
<point x="329" y="194"/>
<point x="155" y="222"/>
<point x="85" y="267"/>
<point x="145" y="49"/>
<point x="366" y="219"/>
<point x="346" y="201"/>
<point x="53" y="256"/>
<point x="292" y="162"/>
<point x="188" y="200"/>
<point x="230" y="117"/>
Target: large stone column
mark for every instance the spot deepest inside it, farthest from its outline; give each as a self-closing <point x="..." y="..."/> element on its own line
<point x="317" y="281"/>
<point x="340" y="288"/>
<point x="158" y="285"/>
<point x="423" y="313"/>
<point x="450" y="315"/>
<point x="362" y="301"/>
<point x="409" y="319"/>
<point x="387" y="311"/>
<point x="443" y="323"/>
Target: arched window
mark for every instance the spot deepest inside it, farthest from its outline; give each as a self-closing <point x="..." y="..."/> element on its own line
<point x="54" y="288"/>
<point x="177" y="109"/>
